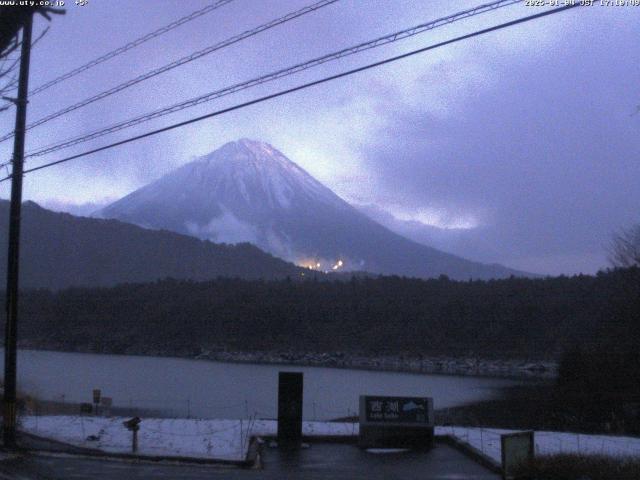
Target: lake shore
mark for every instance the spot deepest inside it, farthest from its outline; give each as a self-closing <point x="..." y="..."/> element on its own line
<point x="432" y="365"/>
<point x="515" y="369"/>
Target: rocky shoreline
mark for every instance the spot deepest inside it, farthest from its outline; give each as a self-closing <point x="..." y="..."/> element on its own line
<point x="519" y="369"/>
<point x="432" y="365"/>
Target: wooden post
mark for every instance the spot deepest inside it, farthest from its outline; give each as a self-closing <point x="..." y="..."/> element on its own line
<point x="134" y="446"/>
<point x="13" y="255"/>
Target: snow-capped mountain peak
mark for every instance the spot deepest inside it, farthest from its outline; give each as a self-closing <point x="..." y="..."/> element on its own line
<point x="249" y="191"/>
<point x="261" y="174"/>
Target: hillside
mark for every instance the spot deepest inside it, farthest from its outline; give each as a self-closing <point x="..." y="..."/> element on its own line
<point x="59" y="250"/>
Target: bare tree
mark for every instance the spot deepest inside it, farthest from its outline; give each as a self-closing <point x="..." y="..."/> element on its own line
<point x="11" y="20"/>
<point x="625" y="248"/>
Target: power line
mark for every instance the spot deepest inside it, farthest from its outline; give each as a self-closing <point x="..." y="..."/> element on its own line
<point x="305" y="86"/>
<point x="11" y="68"/>
<point x="386" y="39"/>
<point x="178" y="63"/>
<point x="130" y="45"/>
<point x="13" y="83"/>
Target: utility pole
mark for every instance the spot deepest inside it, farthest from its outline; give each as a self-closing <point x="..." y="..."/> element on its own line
<point x="11" y="329"/>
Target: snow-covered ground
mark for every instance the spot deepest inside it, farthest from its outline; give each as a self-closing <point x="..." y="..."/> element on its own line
<point x="487" y="440"/>
<point x="212" y="439"/>
<point x="229" y="439"/>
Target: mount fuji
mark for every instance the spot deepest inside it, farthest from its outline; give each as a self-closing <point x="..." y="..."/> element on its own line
<point x="247" y="191"/>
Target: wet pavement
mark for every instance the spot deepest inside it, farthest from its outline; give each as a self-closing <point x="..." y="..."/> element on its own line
<point x="318" y="462"/>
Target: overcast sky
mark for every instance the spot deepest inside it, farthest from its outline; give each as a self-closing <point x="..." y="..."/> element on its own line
<point x="527" y="135"/>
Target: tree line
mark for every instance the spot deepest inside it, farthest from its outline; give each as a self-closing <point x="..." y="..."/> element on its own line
<point x="511" y="318"/>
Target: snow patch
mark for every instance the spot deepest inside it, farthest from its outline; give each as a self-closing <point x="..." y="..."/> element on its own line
<point x="229" y="439"/>
<point x="383" y="451"/>
<point x="487" y="440"/>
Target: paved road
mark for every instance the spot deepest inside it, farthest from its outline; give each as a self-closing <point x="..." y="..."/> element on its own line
<point x="319" y="462"/>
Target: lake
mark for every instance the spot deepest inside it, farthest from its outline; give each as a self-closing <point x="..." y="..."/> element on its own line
<point x="206" y="389"/>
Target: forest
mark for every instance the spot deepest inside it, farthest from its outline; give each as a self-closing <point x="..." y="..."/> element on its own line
<point x="512" y="318"/>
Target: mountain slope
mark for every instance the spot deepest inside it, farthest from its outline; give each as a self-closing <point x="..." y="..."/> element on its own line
<point x="249" y="191"/>
<point x="471" y="243"/>
<point x="60" y="250"/>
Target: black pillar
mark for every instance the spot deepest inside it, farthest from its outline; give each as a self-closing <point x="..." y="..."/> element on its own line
<point x="289" y="409"/>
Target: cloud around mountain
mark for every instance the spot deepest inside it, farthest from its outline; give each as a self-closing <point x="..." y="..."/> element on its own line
<point x="248" y="191"/>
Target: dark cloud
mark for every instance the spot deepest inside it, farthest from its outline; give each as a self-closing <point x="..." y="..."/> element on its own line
<point x="546" y="157"/>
